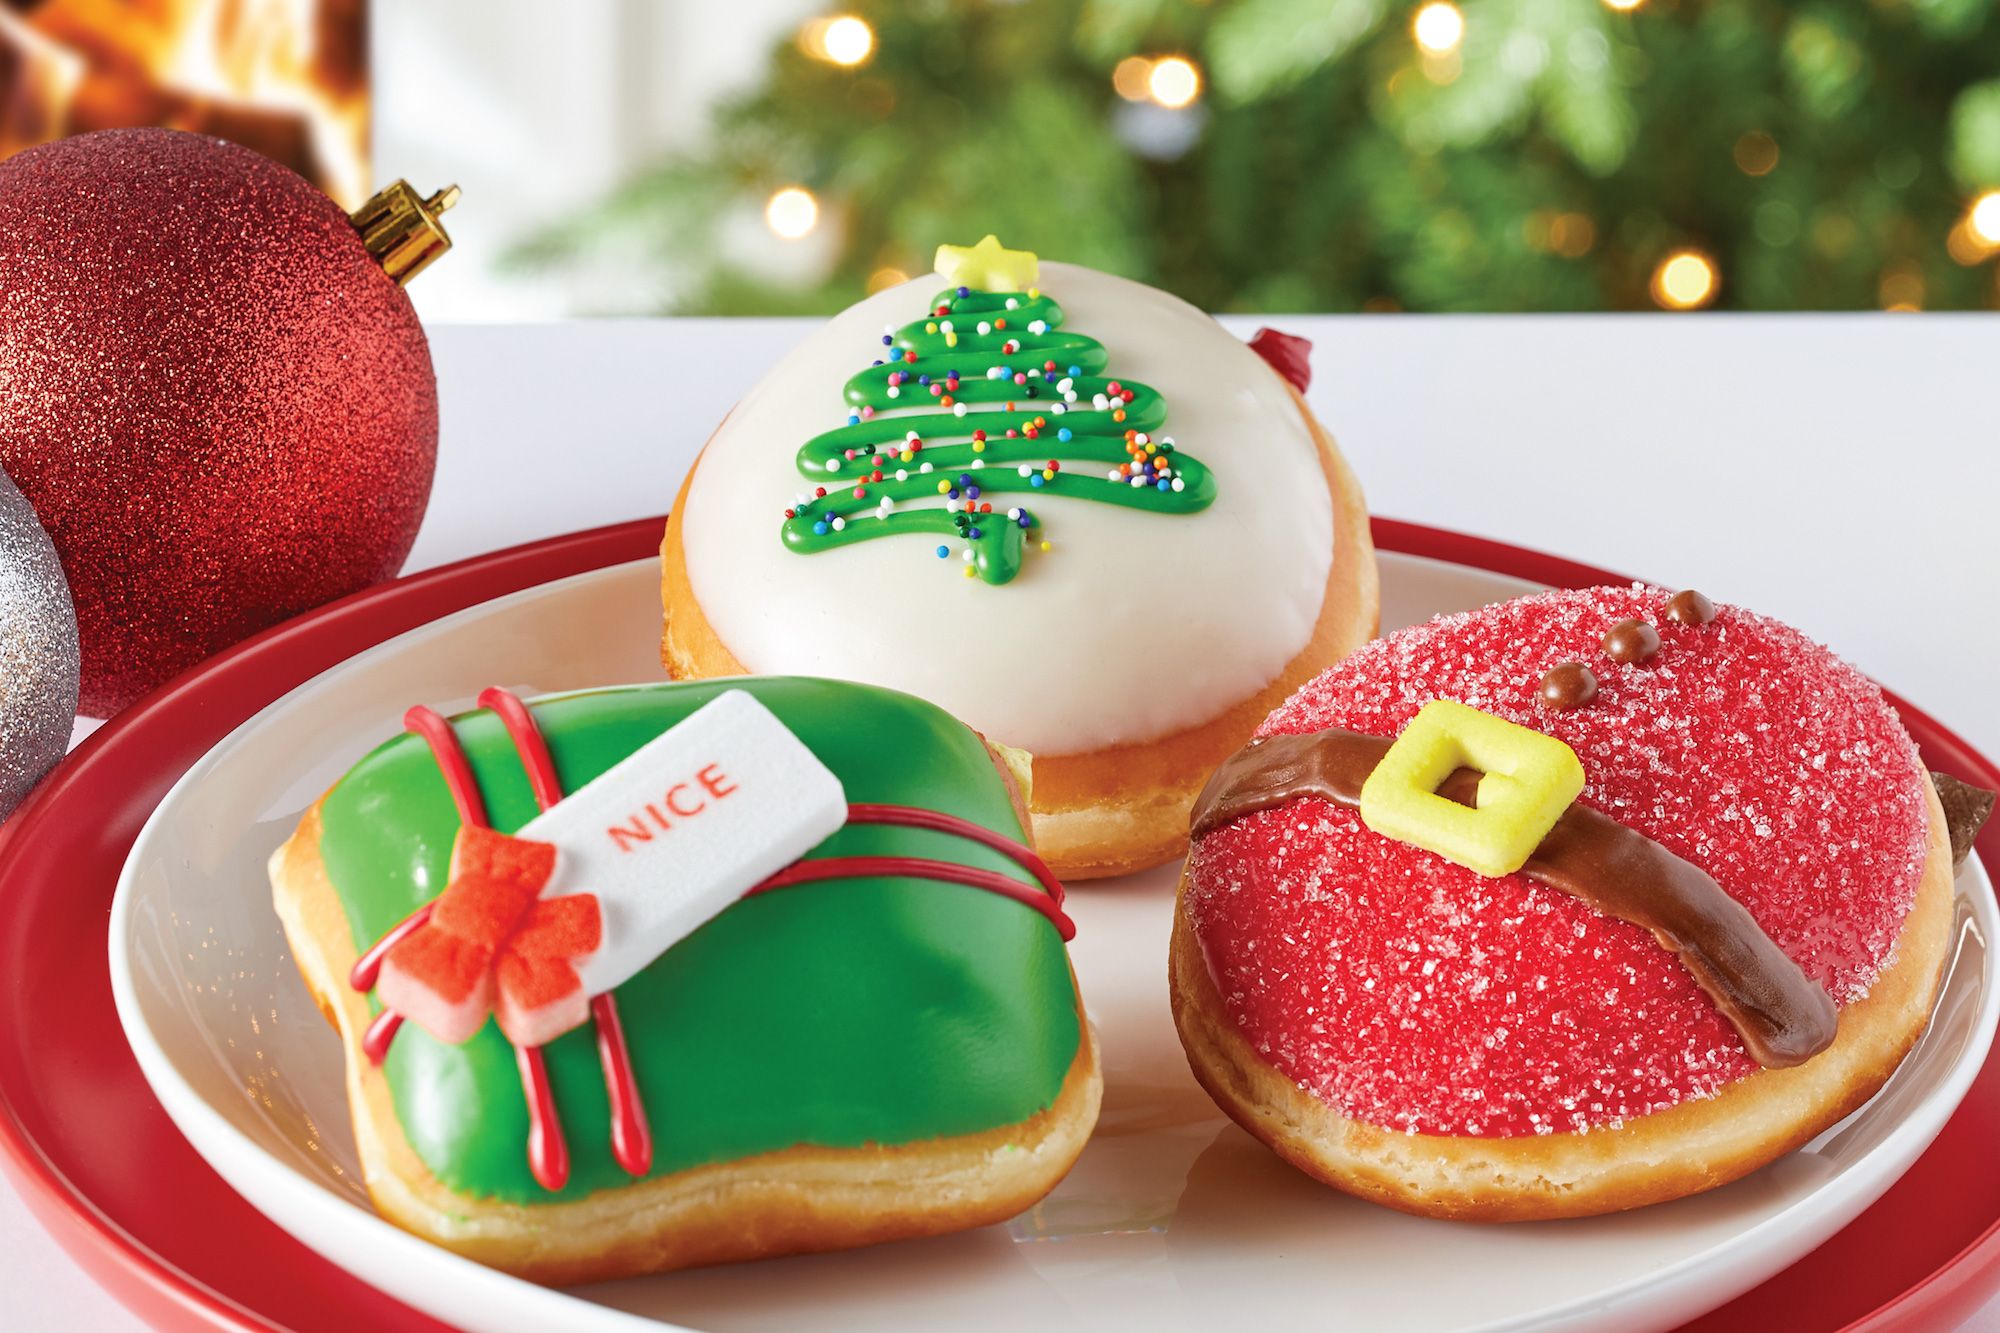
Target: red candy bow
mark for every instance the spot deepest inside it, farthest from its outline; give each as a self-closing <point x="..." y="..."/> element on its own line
<point x="493" y="944"/>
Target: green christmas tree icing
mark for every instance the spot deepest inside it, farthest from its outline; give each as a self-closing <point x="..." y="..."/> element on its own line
<point x="987" y="396"/>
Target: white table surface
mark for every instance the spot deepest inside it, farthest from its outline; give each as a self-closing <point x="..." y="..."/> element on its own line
<point x="1842" y="472"/>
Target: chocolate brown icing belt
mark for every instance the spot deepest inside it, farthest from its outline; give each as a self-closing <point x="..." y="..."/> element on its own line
<point x="1784" y="1016"/>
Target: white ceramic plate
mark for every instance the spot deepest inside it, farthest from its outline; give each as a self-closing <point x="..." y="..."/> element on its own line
<point x="1173" y="1219"/>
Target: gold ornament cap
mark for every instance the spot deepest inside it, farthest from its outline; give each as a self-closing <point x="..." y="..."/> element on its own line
<point x="401" y="229"/>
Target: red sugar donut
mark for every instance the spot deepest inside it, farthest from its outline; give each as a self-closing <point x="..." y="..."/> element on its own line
<point x="1468" y="1046"/>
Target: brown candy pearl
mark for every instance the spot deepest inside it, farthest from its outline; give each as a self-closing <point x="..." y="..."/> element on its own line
<point x="1568" y="685"/>
<point x="1688" y="607"/>
<point x="1631" y="641"/>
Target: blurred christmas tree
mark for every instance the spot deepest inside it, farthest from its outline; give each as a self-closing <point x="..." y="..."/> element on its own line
<point x="1282" y="155"/>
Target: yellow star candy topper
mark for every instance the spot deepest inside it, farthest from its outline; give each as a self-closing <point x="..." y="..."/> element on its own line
<point x="988" y="267"/>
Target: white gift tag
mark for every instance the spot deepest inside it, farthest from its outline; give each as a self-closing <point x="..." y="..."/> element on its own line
<point x="672" y="834"/>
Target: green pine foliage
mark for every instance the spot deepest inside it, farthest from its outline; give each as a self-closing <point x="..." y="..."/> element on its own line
<point x="1549" y="163"/>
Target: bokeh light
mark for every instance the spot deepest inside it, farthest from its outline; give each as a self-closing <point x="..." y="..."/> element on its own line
<point x="1174" y="82"/>
<point x="886" y="277"/>
<point x="849" y="40"/>
<point x="1964" y="245"/>
<point x="792" y="212"/>
<point x="1901" y="286"/>
<point x="1684" y="280"/>
<point x="1756" y="153"/>
<point x="842" y="39"/>
<point x="1438" y="27"/>
<point x="1571" y="235"/>
<point x="1983" y="218"/>
<point x="1131" y="79"/>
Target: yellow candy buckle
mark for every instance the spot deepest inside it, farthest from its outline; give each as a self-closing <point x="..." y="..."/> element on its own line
<point x="1528" y="780"/>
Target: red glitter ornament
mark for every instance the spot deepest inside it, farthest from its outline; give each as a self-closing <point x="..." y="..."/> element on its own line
<point x="220" y="405"/>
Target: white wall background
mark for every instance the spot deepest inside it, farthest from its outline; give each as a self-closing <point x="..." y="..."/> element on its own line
<point x="540" y="109"/>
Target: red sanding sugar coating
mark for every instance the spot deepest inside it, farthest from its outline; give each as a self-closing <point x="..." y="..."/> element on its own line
<point x="1411" y="993"/>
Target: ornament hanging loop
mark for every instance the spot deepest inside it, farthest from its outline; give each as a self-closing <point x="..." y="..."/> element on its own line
<point x="401" y="229"/>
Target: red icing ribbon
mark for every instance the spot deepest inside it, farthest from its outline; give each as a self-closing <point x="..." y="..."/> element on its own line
<point x="529" y="742"/>
<point x="912" y="867"/>
<point x="381" y="1033"/>
<point x="489" y="924"/>
<point x="631" y="1132"/>
<point x="912" y="817"/>
<point x="548" y="1152"/>
<point x="368" y="967"/>
<point x="1288" y="354"/>
<point x="436" y="730"/>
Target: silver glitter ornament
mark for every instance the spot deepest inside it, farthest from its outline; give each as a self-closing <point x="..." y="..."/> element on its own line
<point x="39" y="662"/>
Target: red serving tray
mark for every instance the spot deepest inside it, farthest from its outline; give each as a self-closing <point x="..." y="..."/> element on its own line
<point x="106" y="1172"/>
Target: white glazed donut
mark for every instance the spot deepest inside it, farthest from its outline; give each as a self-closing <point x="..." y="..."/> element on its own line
<point x="1134" y="654"/>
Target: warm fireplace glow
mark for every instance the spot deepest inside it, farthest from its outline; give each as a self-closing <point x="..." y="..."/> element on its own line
<point x="285" y="77"/>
